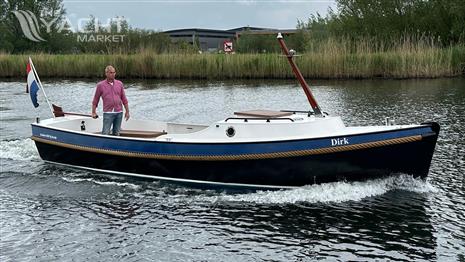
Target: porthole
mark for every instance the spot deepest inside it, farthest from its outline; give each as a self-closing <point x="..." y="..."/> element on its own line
<point x="230" y="131"/>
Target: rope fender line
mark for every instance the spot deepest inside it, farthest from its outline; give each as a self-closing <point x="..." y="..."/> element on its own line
<point x="286" y="154"/>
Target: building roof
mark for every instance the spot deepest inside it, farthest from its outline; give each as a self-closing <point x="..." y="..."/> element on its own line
<point x="267" y="32"/>
<point x="245" y="28"/>
<point x="233" y="31"/>
<point x="197" y="30"/>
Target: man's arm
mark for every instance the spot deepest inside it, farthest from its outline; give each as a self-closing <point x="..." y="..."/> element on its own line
<point x="126" y="114"/>
<point x="125" y="103"/>
<point x="94" y="111"/>
<point x="97" y="95"/>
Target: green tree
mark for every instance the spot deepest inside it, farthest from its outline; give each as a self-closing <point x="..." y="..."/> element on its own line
<point x="13" y="39"/>
<point x="393" y="19"/>
<point x="6" y="43"/>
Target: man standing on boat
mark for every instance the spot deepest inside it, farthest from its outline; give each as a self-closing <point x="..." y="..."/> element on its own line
<point x="112" y="93"/>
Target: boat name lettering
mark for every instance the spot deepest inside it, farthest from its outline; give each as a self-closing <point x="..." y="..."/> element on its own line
<point x="339" y="141"/>
<point x="48" y="136"/>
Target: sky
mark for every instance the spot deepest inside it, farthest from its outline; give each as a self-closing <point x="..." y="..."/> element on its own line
<point x="224" y="14"/>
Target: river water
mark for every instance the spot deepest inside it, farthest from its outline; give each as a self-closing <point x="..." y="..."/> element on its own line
<point x="51" y="213"/>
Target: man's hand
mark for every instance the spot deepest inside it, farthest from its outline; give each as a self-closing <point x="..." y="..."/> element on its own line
<point x="94" y="115"/>
<point x="126" y="115"/>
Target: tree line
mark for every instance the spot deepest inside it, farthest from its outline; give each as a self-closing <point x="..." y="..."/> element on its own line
<point x="380" y="24"/>
<point x="377" y="25"/>
<point x="62" y="37"/>
<point x="442" y="19"/>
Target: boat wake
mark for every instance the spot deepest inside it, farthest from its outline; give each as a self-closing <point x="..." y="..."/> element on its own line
<point x="332" y="192"/>
<point x="103" y="183"/>
<point x="18" y="149"/>
<point x="337" y="192"/>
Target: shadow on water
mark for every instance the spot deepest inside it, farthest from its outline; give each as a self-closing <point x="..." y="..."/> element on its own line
<point x="394" y="225"/>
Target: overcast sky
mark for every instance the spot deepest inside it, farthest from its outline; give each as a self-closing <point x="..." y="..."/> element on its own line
<point x="167" y="15"/>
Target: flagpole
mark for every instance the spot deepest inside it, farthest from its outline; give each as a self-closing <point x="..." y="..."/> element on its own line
<point x="41" y="87"/>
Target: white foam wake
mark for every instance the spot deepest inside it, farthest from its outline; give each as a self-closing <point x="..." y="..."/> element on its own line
<point x="23" y="149"/>
<point x="332" y="192"/>
<point x="104" y="183"/>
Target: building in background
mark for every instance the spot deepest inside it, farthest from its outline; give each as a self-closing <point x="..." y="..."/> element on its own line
<point x="212" y="40"/>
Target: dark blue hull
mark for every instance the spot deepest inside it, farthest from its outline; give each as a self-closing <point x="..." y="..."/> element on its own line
<point x="359" y="161"/>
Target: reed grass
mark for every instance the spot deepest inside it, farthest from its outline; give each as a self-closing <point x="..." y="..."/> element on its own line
<point x="331" y="59"/>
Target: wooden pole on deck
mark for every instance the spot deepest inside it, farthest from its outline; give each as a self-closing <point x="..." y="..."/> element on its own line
<point x="298" y="74"/>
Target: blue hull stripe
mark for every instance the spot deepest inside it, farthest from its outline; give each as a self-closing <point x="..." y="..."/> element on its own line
<point x="217" y="149"/>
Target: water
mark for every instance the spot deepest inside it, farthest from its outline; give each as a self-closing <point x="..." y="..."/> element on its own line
<point x="53" y="213"/>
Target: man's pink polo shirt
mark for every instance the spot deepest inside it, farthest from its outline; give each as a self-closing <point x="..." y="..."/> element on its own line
<point x="113" y="96"/>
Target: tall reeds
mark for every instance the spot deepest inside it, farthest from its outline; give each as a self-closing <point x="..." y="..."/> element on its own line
<point x="329" y="58"/>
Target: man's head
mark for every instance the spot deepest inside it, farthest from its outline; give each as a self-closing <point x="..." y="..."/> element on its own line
<point x="110" y="72"/>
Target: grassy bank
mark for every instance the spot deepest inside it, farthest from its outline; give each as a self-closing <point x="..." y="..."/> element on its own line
<point x="332" y="62"/>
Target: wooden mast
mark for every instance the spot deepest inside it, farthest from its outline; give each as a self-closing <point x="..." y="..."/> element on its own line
<point x="299" y="76"/>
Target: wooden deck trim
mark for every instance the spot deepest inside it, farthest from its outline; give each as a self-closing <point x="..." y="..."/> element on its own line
<point x="141" y="134"/>
<point x="263" y="113"/>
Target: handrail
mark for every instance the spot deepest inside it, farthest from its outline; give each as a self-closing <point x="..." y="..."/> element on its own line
<point x="309" y="113"/>
<point x="246" y="119"/>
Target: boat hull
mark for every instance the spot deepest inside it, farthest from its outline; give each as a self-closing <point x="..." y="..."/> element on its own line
<point x="358" y="161"/>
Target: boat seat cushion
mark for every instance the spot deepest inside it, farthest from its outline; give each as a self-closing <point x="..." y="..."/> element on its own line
<point x="141" y="134"/>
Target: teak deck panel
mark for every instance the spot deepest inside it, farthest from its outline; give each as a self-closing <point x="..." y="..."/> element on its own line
<point x="263" y="113"/>
<point x="142" y="134"/>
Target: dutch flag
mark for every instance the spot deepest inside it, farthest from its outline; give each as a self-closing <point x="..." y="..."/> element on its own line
<point x="32" y="83"/>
